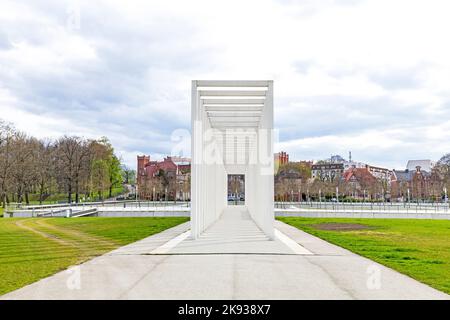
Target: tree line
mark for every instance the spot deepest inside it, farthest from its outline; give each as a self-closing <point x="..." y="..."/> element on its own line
<point x="293" y="182"/>
<point x="71" y="165"/>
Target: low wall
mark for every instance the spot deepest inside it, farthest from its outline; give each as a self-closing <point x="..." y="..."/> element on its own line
<point x="374" y="215"/>
<point x="104" y="212"/>
<point x="18" y="215"/>
<point x="135" y="213"/>
<point x="110" y="213"/>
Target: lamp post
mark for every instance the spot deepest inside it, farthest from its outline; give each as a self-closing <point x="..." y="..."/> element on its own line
<point x="235" y="190"/>
<point x="165" y="193"/>
<point x="320" y="196"/>
<point x="408" y="196"/>
<point x="300" y="191"/>
<point x="337" y="194"/>
<point x="445" y="195"/>
<point x="364" y="197"/>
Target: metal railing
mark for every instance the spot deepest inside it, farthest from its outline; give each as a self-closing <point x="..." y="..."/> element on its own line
<point x="408" y="207"/>
<point x="78" y="209"/>
<point x="122" y="204"/>
<point x="184" y="206"/>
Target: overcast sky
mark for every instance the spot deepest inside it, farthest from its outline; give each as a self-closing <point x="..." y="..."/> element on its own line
<point x="372" y="77"/>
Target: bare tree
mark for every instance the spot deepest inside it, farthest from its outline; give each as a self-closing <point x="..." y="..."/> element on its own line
<point x="44" y="167"/>
<point x="72" y="161"/>
<point x="7" y="133"/>
<point x="129" y="175"/>
<point x="39" y="167"/>
<point x="23" y="173"/>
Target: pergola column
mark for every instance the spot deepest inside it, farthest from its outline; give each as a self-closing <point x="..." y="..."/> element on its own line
<point x="232" y="133"/>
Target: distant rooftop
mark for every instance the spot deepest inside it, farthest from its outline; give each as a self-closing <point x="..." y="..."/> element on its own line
<point x="425" y="165"/>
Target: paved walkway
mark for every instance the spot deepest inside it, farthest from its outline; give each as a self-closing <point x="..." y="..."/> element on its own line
<point x="232" y="260"/>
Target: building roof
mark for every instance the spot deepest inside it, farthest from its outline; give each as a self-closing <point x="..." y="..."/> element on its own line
<point x="153" y="167"/>
<point x="425" y="165"/>
<point x="360" y="174"/>
<point x="404" y="175"/>
<point x="408" y="175"/>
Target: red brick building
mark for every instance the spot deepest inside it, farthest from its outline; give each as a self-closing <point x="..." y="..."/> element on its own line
<point x="281" y="158"/>
<point x="168" y="179"/>
<point x="359" y="181"/>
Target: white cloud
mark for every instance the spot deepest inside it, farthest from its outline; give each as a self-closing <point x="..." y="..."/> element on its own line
<point x="370" y="76"/>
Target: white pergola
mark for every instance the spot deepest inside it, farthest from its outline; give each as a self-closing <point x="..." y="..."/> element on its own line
<point x="232" y="133"/>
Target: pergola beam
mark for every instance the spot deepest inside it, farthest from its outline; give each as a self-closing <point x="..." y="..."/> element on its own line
<point x="228" y="101"/>
<point x="242" y="93"/>
<point x="233" y="83"/>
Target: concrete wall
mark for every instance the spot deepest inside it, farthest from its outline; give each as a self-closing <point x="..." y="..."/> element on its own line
<point x="117" y="214"/>
<point x="375" y="215"/>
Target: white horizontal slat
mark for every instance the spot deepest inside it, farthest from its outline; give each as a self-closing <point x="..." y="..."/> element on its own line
<point x="232" y="83"/>
<point x="235" y="126"/>
<point x="232" y="93"/>
<point x="224" y="113"/>
<point x="232" y="88"/>
<point x="257" y="110"/>
<point x="235" y="134"/>
<point x="240" y="101"/>
<point x="216" y="119"/>
<point x="235" y="104"/>
<point x="237" y="97"/>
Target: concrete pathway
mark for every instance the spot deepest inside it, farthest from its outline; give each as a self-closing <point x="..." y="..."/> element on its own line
<point x="232" y="260"/>
<point x="234" y="233"/>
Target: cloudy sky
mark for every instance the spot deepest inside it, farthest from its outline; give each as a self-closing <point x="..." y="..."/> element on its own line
<point x="372" y="77"/>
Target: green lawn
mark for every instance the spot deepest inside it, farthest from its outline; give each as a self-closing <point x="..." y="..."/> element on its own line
<point x="417" y="248"/>
<point x="31" y="249"/>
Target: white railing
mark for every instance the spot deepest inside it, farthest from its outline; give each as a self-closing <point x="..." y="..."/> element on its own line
<point x="174" y="207"/>
<point x="411" y="207"/>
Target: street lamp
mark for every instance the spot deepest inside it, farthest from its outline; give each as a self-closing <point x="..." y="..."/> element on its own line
<point x="445" y="195"/>
<point x="300" y="192"/>
<point x="235" y="190"/>
<point x="408" y="196"/>
<point x="337" y="194"/>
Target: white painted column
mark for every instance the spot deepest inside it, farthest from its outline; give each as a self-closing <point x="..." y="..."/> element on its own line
<point x="196" y="155"/>
<point x="261" y="206"/>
